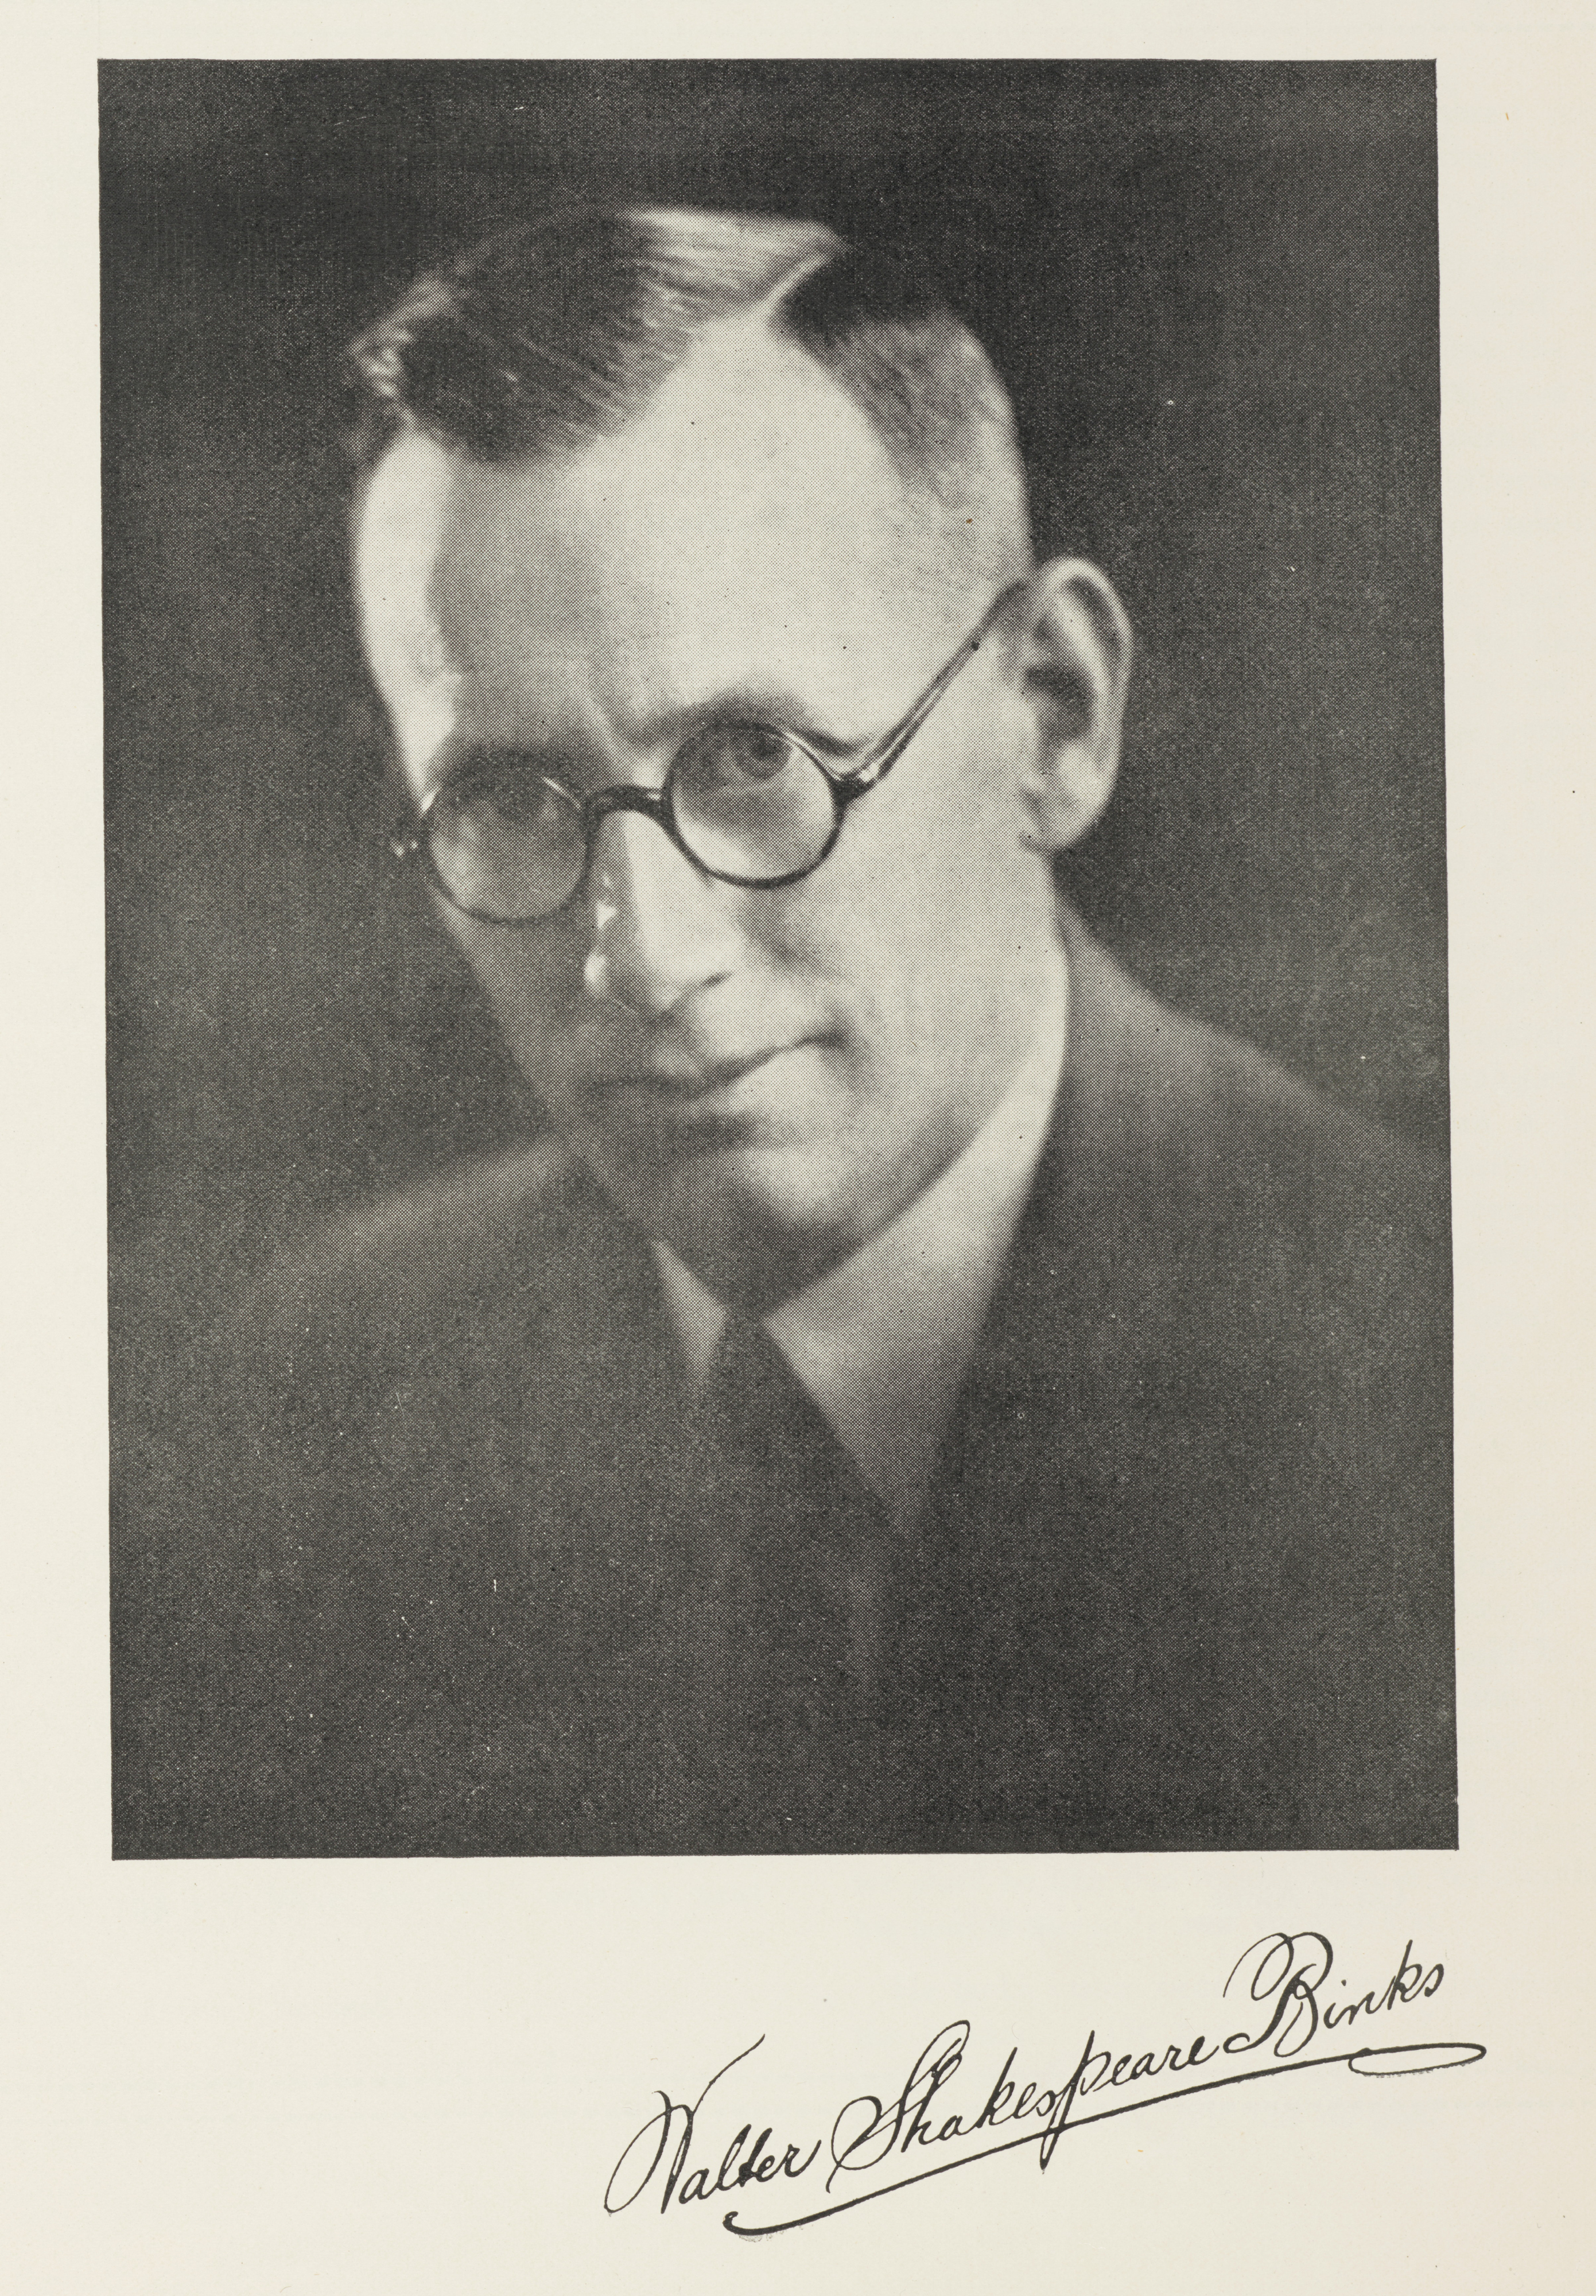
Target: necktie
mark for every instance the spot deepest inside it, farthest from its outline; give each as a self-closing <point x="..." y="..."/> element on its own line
<point x="797" y="1547"/>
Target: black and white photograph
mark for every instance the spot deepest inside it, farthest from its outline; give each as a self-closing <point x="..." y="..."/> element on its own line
<point x="778" y="1041"/>
<point x="797" y="1371"/>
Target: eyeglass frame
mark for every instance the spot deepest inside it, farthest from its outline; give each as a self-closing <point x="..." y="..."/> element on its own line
<point x="412" y="839"/>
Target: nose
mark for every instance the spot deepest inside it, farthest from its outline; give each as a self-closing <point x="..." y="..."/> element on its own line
<point x="660" y="928"/>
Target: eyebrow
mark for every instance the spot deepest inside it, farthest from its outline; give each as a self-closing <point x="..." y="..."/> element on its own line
<point x="734" y="707"/>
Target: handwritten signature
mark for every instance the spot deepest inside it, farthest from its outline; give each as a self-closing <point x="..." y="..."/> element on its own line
<point x="1284" y="1977"/>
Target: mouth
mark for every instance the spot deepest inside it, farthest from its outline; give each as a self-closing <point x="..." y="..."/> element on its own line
<point x="685" y="1088"/>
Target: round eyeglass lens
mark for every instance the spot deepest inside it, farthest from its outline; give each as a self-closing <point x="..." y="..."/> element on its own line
<point x="748" y="803"/>
<point x="509" y="848"/>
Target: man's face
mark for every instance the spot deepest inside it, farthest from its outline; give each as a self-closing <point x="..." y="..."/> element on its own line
<point x="762" y="1079"/>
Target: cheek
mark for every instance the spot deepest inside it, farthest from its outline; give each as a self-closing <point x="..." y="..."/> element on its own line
<point x="924" y="905"/>
<point x="872" y="966"/>
<point x="932" y="918"/>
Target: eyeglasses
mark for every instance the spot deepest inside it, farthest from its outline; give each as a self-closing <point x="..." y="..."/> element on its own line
<point x="748" y="803"/>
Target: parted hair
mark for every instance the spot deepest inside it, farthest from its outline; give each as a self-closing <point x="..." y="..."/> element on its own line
<point x="557" y="331"/>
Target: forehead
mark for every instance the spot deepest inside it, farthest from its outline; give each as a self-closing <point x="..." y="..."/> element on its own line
<point x="751" y="506"/>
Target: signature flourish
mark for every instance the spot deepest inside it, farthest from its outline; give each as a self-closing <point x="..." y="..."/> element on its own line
<point x="1279" y="1988"/>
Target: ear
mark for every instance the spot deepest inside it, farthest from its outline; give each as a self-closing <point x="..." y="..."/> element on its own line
<point x="1075" y="667"/>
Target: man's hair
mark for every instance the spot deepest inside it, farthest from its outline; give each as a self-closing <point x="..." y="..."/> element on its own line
<point x="558" y="332"/>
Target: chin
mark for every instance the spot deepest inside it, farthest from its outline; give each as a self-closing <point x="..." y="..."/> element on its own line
<point x="757" y="1223"/>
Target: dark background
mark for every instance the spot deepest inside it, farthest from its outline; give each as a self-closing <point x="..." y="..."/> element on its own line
<point x="1213" y="291"/>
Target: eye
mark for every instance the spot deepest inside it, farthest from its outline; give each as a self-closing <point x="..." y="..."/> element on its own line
<point x="503" y="790"/>
<point x="735" y="757"/>
<point x="505" y="841"/>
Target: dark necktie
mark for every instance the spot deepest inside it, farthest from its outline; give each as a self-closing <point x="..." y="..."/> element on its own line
<point x="796" y="1549"/>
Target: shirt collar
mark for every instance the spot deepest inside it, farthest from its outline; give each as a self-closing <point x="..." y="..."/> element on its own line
<point x="883" y="1341"/>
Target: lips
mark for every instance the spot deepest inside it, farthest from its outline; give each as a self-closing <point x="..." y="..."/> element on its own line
<point x="686" y="1080"/>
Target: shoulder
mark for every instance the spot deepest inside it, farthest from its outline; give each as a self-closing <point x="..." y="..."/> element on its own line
<point x="490" y="1226"/>
<point x="1166" y="1121"/>
<point x="436" y="1323"/>
<point x="1216" y="1232"/>
<point x="508" y="1254"/>
<point x="360" y="1502"/>
<point x="1238" y="1307"/>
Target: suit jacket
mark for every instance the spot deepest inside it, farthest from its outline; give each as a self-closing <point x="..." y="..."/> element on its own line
<point x="413" y="1561"/>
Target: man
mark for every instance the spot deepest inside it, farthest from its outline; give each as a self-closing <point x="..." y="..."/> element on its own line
<point x="922" y="1395"/>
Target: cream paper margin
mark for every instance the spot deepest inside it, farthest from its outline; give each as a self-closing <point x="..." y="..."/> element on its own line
<point x="245" y="2080"/>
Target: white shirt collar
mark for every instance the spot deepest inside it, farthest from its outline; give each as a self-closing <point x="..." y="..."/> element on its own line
<point x="883" y="1341"/>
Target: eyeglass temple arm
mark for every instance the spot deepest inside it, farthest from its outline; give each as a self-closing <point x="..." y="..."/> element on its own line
<point x="876" y="767"/>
